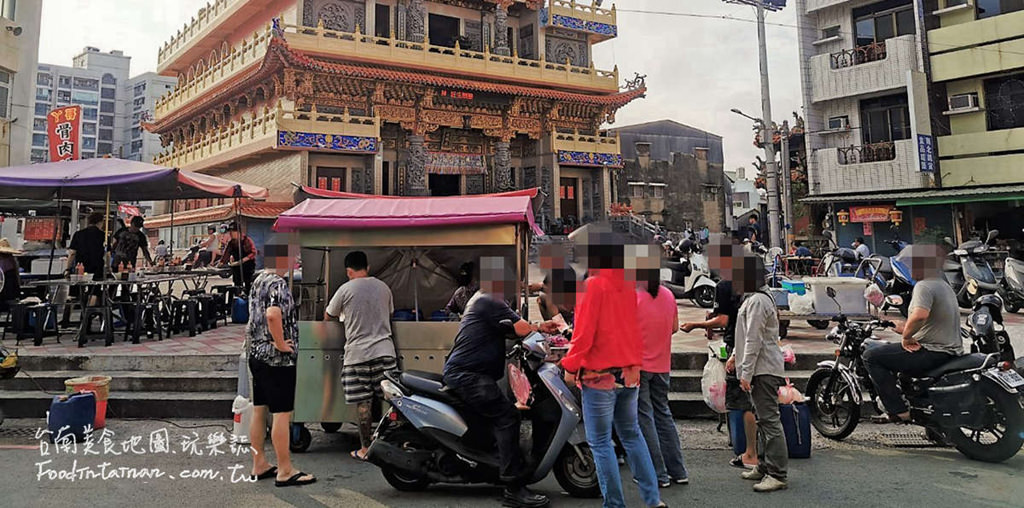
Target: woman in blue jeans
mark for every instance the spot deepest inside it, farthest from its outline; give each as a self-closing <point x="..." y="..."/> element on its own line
<point x="605" y="357"/>
<point x="658" y="317"/>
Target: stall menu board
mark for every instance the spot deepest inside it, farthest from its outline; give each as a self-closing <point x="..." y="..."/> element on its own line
<point x="40" y="229"/>
<point x="63" y="126"/>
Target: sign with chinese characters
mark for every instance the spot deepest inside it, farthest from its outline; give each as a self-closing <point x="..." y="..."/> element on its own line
<point x="129" y="210"/>
<point x="926" y="153"/>
<point x="869" y="229"/>
<point x="874" y="213"/>
<point x="63" y="126"/>
<point x="40" y="229"/>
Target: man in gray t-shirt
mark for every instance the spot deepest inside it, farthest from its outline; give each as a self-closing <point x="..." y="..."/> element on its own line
<point x="366" y="305"/>
<point x="931" y="334"/>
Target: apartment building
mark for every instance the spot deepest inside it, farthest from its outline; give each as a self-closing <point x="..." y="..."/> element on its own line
<point x="977" y="63"/>
<point x="868" y="116"/>
<point x="19" y="52"/>
<point x="143" y="92"/>
<point x="96" y="81"/>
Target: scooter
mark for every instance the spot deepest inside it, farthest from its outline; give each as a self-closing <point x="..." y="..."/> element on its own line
<point x="892" y="275"/>
<point x="984" y="326"/>
<point x="1011" y="286"/>
<point x="429" y="437"/>
<point x="968" y="272"/>
<point x="840" y="261"/>
<point x="690" y="278"/>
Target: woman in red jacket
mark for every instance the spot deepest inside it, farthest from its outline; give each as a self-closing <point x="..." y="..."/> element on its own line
<point x="605" y="357"/>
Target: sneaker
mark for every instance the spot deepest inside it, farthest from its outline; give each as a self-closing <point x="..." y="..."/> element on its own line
<point x="754" y="475"/>
<point x="770" y="484"/>
<point x="664" y="484"/>
<point x="524" y="498"/>
<point x="682" y="481"/>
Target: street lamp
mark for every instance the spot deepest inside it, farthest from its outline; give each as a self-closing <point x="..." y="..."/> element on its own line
<point x="755" y="120"/>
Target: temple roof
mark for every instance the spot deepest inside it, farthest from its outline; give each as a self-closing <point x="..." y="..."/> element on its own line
<point x="279" y="56"/>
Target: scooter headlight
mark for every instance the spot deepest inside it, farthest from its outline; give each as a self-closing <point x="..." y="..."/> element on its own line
<point x="391" y="390"/>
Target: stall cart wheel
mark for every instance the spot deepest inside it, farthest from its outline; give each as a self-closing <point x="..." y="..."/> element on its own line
<point x="330" y="427"/>
<point x="300" y="438"/>
<point x="783" y="329"/>
<point x="818" y="324"/>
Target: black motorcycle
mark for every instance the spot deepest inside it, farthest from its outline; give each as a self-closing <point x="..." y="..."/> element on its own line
<point x="984" y="326"/>
<point x="971" y="401"/>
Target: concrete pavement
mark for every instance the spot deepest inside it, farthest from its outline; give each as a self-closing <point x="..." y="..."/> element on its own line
<point x="859" y="472"/>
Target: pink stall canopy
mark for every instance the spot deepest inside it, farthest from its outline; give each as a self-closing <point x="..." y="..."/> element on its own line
<point x="118" y="180"/>
<point x="329" y="194"/>
<point x="407" y="212"/>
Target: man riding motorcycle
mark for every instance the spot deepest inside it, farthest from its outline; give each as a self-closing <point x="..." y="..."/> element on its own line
<point x="477" y="361"/>
<point x="931" y="334"/>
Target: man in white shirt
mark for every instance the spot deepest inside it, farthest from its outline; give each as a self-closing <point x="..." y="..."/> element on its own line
<point x="863" y="251"/>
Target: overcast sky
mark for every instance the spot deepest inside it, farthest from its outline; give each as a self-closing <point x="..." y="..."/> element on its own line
<point x="697" y="68"/>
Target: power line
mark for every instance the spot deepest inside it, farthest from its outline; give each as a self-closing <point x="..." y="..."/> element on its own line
<point x="729" y="17"/>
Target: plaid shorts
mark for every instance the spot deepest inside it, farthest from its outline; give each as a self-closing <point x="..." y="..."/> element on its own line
<point x="361" y="381"/>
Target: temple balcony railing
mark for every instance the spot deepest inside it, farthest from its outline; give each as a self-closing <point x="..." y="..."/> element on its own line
<point x="271" y="129"/>
<point x="247" y="54"/>
<point x="205" y="33"/>
<point x="207" y="18"/>
<point x="601" y="24"/>
<point x="430" y="57"/>
<point x="575" y="142"/>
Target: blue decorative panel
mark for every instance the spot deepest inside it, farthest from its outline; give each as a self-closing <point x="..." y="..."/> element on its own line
<point x="583" y="26"/>
<point x="331" y="142"/>
<point x="566" y="158"/>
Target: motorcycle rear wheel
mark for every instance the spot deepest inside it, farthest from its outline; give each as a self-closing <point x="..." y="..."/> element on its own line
<point x="1005" y="423"/>
<point x="578" y="477"/>
<point x="834" y="414"/>
<point x="402" y="480"/>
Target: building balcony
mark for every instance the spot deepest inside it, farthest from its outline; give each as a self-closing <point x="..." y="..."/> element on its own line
<point x="249" y="53"/>
<point x="205" y="33"/>
<point x="817" y="5"/>
<point x="432" y="58"/>
<point x="982" y="158"/>
<point x="885" y="166"/>
<point x="863" y="70"/>
<point x="276" y="129"/>
<point x="977" y="48"/>
<point x="576" y="142"/>
<point x="600" y="24"/>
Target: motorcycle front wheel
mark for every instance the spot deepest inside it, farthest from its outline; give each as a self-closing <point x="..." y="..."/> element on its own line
<point x="834" y="409"/>
<point x="1002" y="435"/>
<point x="577" y="472"/>
<point x="704" y="296"/>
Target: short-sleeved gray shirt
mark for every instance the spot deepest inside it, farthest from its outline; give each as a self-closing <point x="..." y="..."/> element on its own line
<point x="941" y="331"/>
<point x="366" y="306"/>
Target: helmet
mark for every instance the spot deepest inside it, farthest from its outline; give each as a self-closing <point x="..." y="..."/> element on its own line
<point x="211" y="227"/>
<point x="994" y="304"/>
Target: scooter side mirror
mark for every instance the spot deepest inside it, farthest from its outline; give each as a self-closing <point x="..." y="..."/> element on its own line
<point x="827" y="234"/>
<point x="830" y="292"/>
<point x="992" y="235"/>
<point x="949" y="241"/>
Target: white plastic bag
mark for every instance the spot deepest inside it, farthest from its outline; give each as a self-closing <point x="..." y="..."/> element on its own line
<point x="801" y="305"/>
<point x="712" y="384"/>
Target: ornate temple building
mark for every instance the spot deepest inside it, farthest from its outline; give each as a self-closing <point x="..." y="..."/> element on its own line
<point x="398" y="97"/>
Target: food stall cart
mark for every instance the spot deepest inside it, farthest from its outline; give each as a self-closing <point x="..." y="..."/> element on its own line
<point x="414" y="245"/>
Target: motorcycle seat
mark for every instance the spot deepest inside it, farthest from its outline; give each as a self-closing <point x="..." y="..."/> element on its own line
<point x="884" y="266"/>
<point x="959" y="363"/>
<point x="428" y="384"/>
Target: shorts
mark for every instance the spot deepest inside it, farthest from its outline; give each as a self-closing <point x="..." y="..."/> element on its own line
<point x="361" y="381"/>
<point x="273" y="386"/>
<point x="735" y="397"/>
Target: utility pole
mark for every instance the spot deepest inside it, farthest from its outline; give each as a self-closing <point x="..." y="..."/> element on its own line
<point x="787" y="187"/>
<point x="768" y="136"/>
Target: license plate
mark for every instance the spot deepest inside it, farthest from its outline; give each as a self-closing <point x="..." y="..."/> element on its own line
<point x="1011" y="378"/>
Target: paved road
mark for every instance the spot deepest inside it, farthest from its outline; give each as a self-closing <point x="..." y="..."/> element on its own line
<point x="857" y="473"/>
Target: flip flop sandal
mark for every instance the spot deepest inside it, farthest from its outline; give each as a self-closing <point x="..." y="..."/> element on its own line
<point x="294" y="481"/>
<point x="270" y="473"/>
<point x="355" y="455"/>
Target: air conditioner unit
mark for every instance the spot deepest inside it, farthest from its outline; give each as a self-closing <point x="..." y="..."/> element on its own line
<point x="963" y="101"/>
<point x="838" y="123"/>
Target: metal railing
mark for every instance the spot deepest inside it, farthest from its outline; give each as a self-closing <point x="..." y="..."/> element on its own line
<point x="876" y="152"/>
<point x="873" y="52"/>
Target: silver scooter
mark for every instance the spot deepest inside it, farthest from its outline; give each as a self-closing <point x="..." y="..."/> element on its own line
<point x="425" y="438"/>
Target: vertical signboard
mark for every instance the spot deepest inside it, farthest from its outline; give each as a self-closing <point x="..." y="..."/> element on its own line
<point x="63" y="126"/>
